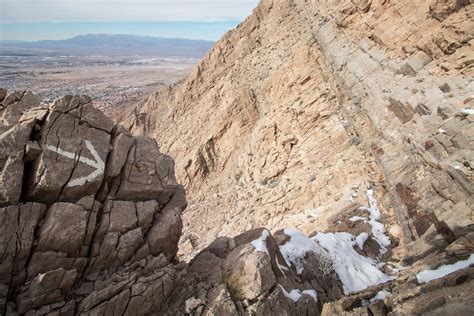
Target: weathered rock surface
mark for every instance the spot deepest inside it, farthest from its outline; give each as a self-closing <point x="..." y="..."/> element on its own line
<point x="293" y="115"/>
<point x="233" y="276"/>
<point x="304" y="116"/>
<point x="306" y="104"/>
<point x="90" y="216"/>
<point x="91" y="220"/>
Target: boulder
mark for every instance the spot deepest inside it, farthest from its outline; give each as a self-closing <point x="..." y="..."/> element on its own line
<point x="148" y="174"/>
<point x="72" y="162"/>
<point x="15" y="129"/>
<point x="93" y="223"/>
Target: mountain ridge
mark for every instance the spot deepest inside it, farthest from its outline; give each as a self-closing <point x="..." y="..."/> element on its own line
<point x="116" y="44"/>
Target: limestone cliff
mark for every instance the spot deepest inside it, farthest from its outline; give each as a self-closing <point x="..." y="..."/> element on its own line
<point x="295" y="113"/>
<point x="307" y="105"/>
<point x="90" y="219"/>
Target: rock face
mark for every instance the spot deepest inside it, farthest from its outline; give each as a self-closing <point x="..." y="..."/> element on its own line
<point x="307" y="104"/>
<point x="91" y="220"/>
<point x="247" y="275"/>
<point x="90" y="216"/>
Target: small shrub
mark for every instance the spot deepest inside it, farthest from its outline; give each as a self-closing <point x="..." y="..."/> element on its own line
<point x="234" y="287"/>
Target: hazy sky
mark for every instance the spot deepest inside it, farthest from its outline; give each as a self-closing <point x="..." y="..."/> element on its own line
<point x="121" y="10"/>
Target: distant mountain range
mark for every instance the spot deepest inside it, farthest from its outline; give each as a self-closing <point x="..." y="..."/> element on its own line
<point x="118" y="44"/>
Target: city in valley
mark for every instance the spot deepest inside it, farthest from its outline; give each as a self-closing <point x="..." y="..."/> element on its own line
<point x="113" y="82"/>
<point x="115" y="70"/>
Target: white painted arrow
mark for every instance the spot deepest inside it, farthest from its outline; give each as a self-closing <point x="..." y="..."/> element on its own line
<point x="98" y="164"/>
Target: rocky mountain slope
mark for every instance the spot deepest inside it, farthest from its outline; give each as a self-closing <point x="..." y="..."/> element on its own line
<point x="345" y="128"/>
<point x="91" y="218"/>
<point x="293" y="115"/>
<point x="296" y="113"/>
<point x="90" y="223"/>
<point x="308" y="105"/>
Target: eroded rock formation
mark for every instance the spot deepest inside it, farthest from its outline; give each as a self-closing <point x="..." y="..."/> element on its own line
<point x="306" y="106"/>
<point x="90" y="216"/>
<point x="91" y="220"/>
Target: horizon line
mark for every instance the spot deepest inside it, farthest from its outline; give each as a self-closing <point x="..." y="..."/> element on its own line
<point x="138" y="35"/>
<point x="123" y="21"/>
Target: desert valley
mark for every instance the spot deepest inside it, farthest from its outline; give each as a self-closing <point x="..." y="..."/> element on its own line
<point x="116" y="71"/>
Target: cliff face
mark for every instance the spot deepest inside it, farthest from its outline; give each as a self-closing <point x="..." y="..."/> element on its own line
<point x="80" y="201"/>
<point x="306" y="104"/>
<point x="294" y="117"/>
<point x="91" y="219"/>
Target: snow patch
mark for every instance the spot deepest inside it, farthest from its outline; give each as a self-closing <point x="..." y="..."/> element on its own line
<point x="466" y="111"/>
<point x="380" y="296"/>
<point x="41" y="276"/>
<point x="357" y="218"/>
<point x="361" y="239"/>
<point x="354" y="195"/>
<point x="378" y="229"/>
<point x="296" y="294"/>
<point x="373" y="209"/>
<point x="295" y="249"/>
<point x="429" y="275"/>
<point x="356" y="272"/>
<point x="260" y="244"/>
<point x="282" y="268"/>
<point x="311" y="293"/>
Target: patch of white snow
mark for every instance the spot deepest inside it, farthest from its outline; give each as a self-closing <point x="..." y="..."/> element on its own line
<point x="429" y="275"/>
<point x="356" y="272"/>
<point x="295" y="249"/>
<point x="282" y="268"/>
<point x="296" y="294"/>
<point x="311" y="293"/>
<point x="361" y="239"/>
<point x="378" y="229"/>
<point x="466" y="111"/>
<point x="357" y="218"/>
<point x="380" y="296"/>
<point x="260" y="244"/>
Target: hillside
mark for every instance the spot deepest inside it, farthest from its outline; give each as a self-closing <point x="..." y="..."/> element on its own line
<point x="293" y="115"/>
<point x="306" y="105"/>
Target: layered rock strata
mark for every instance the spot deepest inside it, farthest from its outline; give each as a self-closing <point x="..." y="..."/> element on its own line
<point x="90" y="224"/>
<point x="307" y="104"/>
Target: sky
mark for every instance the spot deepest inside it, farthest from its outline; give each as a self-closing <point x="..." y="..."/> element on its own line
<point x="32" y="19"/>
